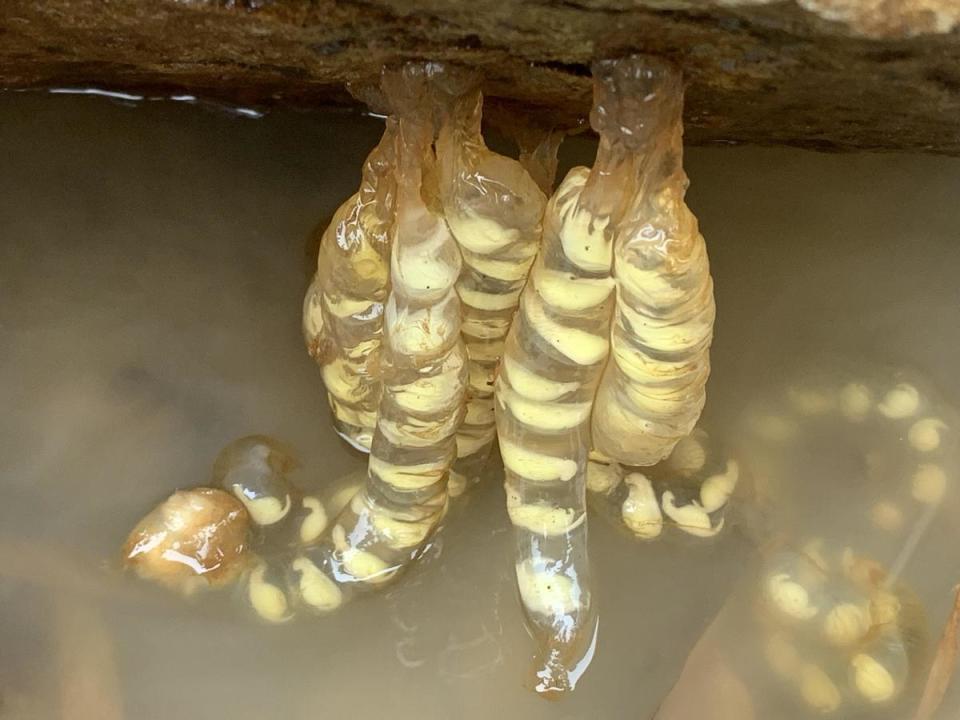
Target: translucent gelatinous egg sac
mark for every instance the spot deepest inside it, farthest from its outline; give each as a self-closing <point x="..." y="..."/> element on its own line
<point x="689" y="491"/>
<point x="494" y="210"/>
<point x="343" y="308"/>
<point x="553" y="361"/>
<point x="424" y="370"/>
<point x="254" y="469"/>
<point x="193" y="539"/>
<point x="653" y="389"/>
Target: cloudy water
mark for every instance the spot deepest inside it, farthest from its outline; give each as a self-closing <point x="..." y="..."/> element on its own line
<point x="153" y="261"/>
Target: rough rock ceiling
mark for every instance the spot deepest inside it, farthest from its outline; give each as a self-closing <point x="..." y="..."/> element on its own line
<point x="824" y="74"/>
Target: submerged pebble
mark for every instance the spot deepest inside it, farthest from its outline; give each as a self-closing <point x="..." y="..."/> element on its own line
<point x="193" y="539"/>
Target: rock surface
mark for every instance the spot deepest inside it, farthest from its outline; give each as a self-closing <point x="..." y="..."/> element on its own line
<point x="822" y="74"/>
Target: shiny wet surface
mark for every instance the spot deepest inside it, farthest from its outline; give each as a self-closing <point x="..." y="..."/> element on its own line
<point x="152" y="265"/>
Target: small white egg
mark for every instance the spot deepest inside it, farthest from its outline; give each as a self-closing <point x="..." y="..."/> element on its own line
<point x="782" y="655"/>
<point x="456" y="484"/>
<point x="339" y="536"/>
<point x="717" y="489"/>
<point x="264" y="510"/>
<point x="924" y="435"/>
<point x="363" y="565"/>
<point x="808" y="401"/>
<point x="316" y="589"/>
<point x="269" y="601"/>
<point x="602" y="477"/>
<point x="790" y="597"/>
<point x="541" y="518"/>
<point x="534" y="466"/>
<point x="818" y="690"/>
<point x="341" y="498"/>
<point x="845" y="624"/>
<point x="358" y="504"/>
<point x="855" y="401"/>
<point x="775" y="428"/>
<point x="886" y="516"/>
<point x="900" y="402"/>
<point x="929" y="484"/>
<point x="688" y="456"/>
<point x="367" y="567"/>
<point x="640" y="510"/>
<point x="546" y="592"/>
<point x="315" y="521"/>
<point x="872" y="680"/>
<point x="690" y="518"/>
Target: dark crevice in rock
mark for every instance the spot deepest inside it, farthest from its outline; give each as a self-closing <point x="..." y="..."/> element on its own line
<point x="573" y="69"/>
<point x="946" y="78"/>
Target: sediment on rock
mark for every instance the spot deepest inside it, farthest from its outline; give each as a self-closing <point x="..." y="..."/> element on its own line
<point x="821" y="74"/>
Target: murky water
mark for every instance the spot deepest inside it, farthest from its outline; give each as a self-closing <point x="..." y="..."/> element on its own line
<point x="152" y="266"/>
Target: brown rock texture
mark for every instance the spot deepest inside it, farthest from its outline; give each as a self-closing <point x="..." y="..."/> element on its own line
<point x="823" y="74"/>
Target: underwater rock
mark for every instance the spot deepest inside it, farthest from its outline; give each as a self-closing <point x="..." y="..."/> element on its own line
<point x="192" y="540"/>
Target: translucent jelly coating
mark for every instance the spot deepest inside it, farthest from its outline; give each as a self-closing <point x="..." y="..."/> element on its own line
<point x="689" y="490"/>
<point x="884" y="449"/>
<point x="537" y="139"/>
<point x="654" y="387"/>
<point x="254" y="469"/>
<point x="343" y="308"/>
<point x="830" y="609"/>
<point x="424" y="374"/>
<point x="494" y="210"/>
<point x="552" y="363"/>
<point x="538" y="155"/>
<point x="265" y="588"/>
<point x="281" y="578"/>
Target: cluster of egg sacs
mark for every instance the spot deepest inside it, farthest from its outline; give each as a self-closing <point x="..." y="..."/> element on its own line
<point x="660" y="335"/>
<point x="612" y="267"/>
<point x="834" y="635"/>
<point x="284" y="570"/>
<point x="688" y="491"/>
<point x="493" y="209"/>
<point x="252" y="528"/>
<point x="870" y="459"/>
<point x="865" y="465"/>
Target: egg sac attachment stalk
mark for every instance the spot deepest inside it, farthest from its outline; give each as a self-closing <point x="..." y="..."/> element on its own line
<point x="494" y="210"/>
<point x="343" y="308"/>
<point x="653" y="390"/>
<point x="554" y="358"/>
<point x="537" y="138"/>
